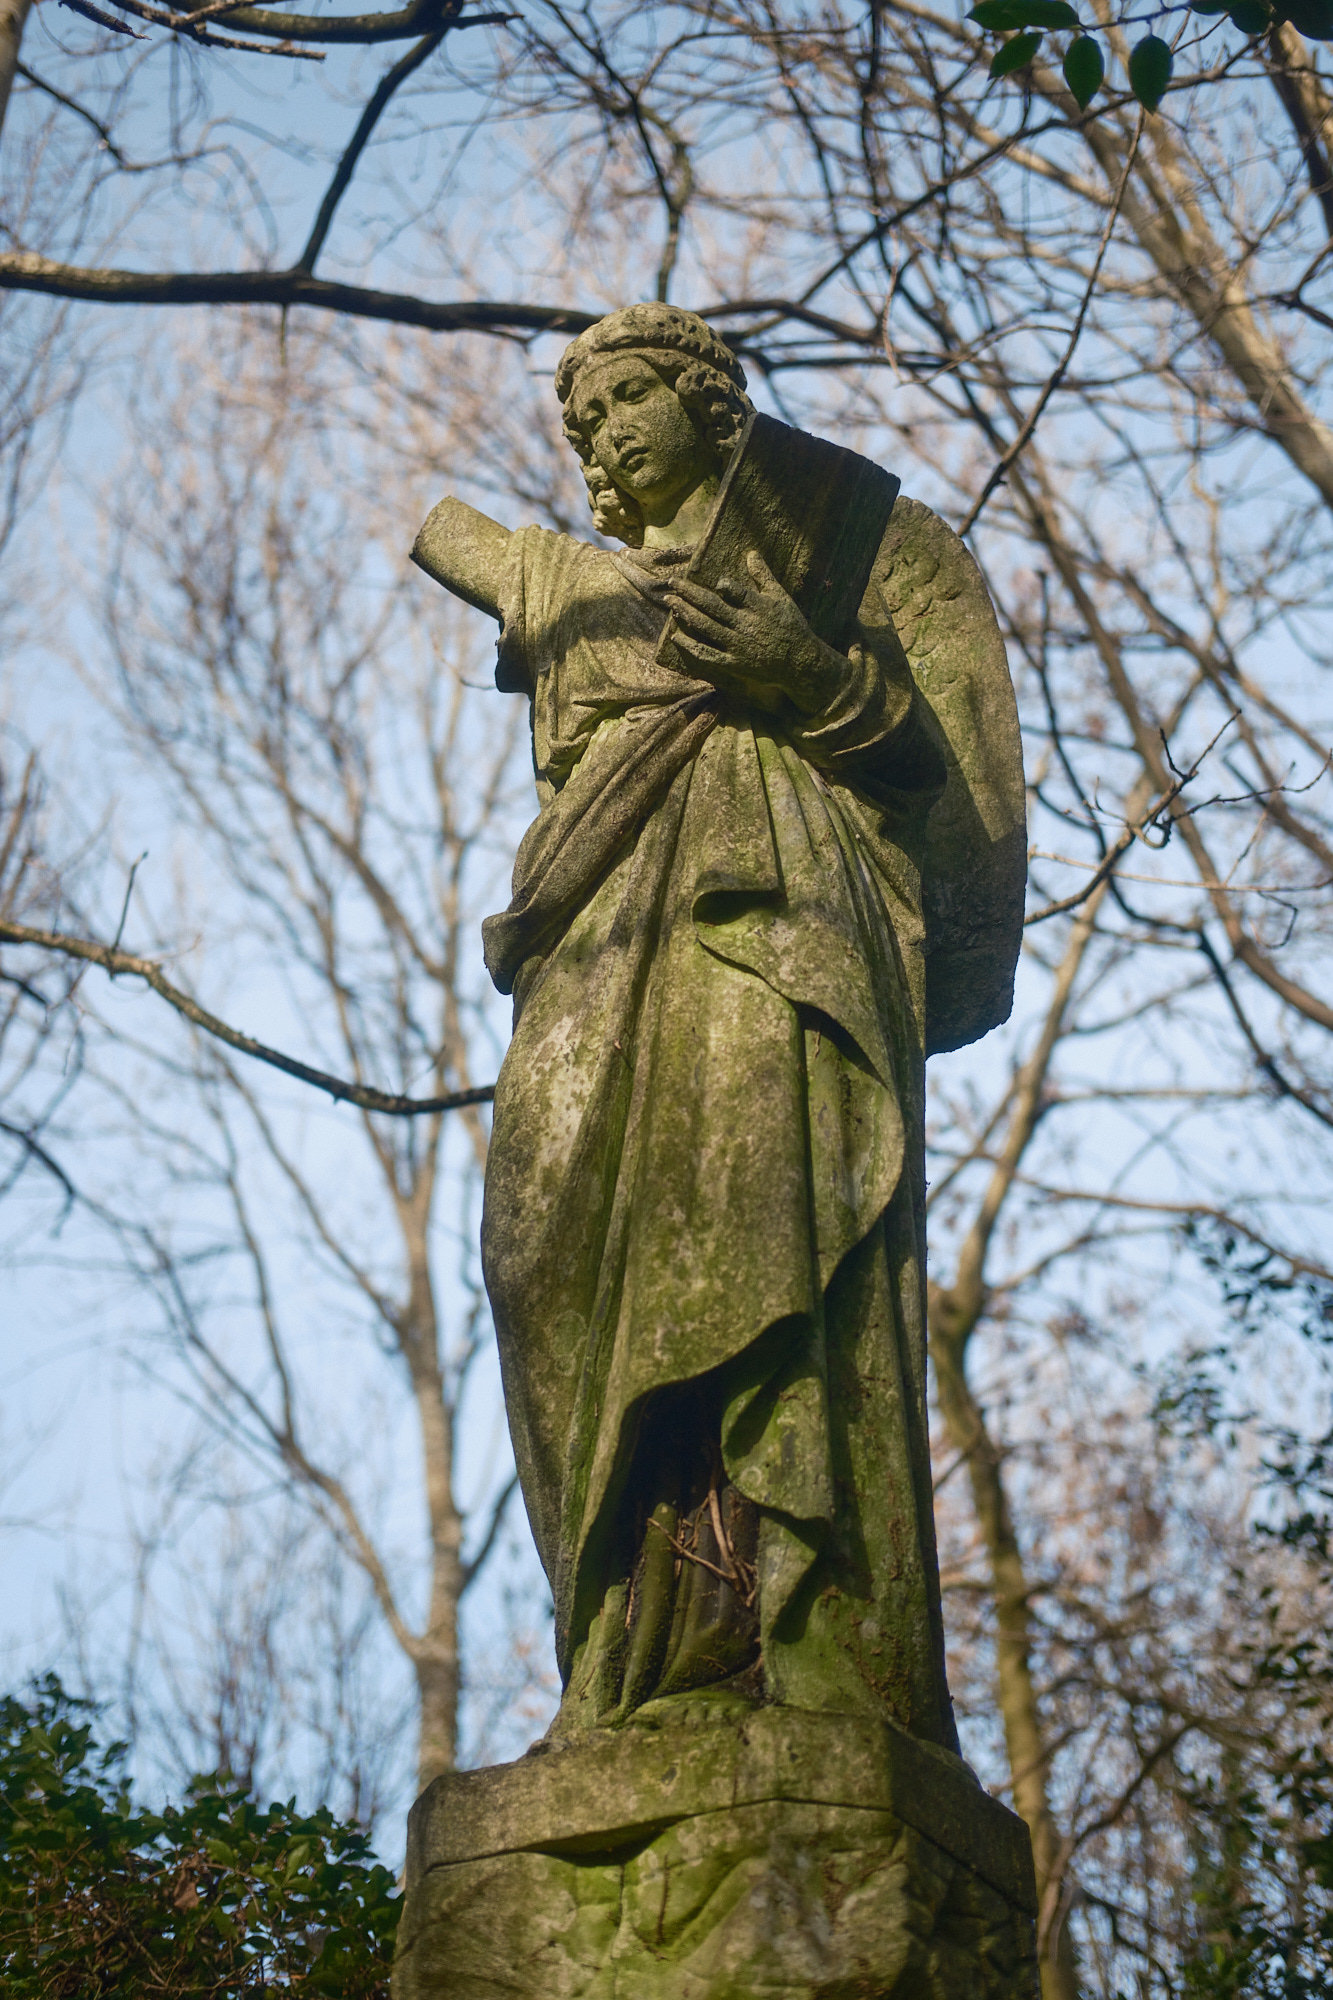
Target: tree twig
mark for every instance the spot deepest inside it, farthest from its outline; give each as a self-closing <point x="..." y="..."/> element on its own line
<point x="474" y="1566"/>
<point x="1131" y="833"/>
<point x="36" y="1151"/>
<point x="1062" y="369"/>
<point x="1266" y="1063"/>
<point x="370" y="117"/>
<point x="114" y="961"/>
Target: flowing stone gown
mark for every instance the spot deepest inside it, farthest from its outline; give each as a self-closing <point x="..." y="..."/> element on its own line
<point x="703" y="1235"/>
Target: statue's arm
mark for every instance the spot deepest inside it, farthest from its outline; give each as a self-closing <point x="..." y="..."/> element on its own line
<point x="465" y="551"/>
<point x="855" y="713"/>
<point x="873" y="731"/>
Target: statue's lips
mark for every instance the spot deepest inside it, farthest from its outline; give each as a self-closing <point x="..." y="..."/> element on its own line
<point x="631" y="460"/>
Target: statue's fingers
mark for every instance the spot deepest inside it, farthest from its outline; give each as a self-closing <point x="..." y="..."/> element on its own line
<point x="701" y="625"/>
<point x="731" y="592"/>
<point x="703" y="599"/>
<point x="710" y="659"/>
<point x="760" y="571"/>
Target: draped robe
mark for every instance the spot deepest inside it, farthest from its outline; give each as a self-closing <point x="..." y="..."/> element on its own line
<point x="703" y="1226"/>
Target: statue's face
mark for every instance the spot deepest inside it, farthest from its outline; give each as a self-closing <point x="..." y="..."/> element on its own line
<point x="642" y="435"/>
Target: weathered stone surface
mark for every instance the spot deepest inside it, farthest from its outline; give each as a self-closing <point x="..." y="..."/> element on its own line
<point x="974" y="869"/>
<point x="779" y="856"/>
<point x="775" y="1855"/>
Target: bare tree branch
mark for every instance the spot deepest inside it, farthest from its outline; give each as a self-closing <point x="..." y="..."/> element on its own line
<point x="117" y="962"/>
<point x="385" y="89"/>
<point x="1266" y="1062"/>
<point x="1075" y="333"/>
<point x="35" y="1150"/>
<point x="1158" y="814"/>
<point x="472" y="1569"/>
<point x="25" y="271"/>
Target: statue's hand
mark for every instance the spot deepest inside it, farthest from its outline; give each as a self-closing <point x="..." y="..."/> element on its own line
<point x="750" y="640"/>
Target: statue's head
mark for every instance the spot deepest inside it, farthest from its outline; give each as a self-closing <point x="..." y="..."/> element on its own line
<point x="654" y="403"/>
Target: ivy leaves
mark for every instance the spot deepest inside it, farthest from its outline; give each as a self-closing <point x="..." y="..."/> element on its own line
<point x="1311" y="18"/>
<point x="1002" y="14"/>
<point x="1084" y="68"/>
<point x="1024" y="22"/>
<point x="1014" y="53"/>
<point x="1150" y="65"/>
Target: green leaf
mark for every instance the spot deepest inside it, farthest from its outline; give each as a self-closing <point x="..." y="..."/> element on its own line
<point x="1003" y="15"/>
<point x="1209" y="7"/>
<point x="1084" y="70"/>
<point x="1150" y="65"/>
<point x="1252" y="17"/>
<point x="1312" y="18"/>
<point x="1014" y="54"/>
<point x="998" y="15"/>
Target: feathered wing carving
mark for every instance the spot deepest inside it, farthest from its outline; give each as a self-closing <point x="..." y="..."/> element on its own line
<point x="976" y="838"/>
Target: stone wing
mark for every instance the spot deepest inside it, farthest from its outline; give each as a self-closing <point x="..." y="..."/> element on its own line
<point x="976" y="837"/>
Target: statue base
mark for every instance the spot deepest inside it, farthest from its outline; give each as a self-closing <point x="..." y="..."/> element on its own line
<point x="712" y="1854"/>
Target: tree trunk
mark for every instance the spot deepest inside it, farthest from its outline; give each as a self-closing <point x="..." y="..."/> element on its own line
<point x="955" y="1311"/>
<point x="1161" y="208"/>
<point x="435" y="1653"/>
<point x="13" y="15"/>
<point x="1024" y="1741"/>
<point x="437" y="1693"/>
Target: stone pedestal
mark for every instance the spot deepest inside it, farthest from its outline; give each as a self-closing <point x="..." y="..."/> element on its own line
<point x="769" y="1854"/>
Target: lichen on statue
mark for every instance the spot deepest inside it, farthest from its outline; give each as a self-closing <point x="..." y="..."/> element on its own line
<point x="703" y="1234"/>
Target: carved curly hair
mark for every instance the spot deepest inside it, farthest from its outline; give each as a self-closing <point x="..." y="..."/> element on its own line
<point x="689" y="357"/>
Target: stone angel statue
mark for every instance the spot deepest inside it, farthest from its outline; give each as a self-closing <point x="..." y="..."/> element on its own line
<point x="768" y="875"/>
